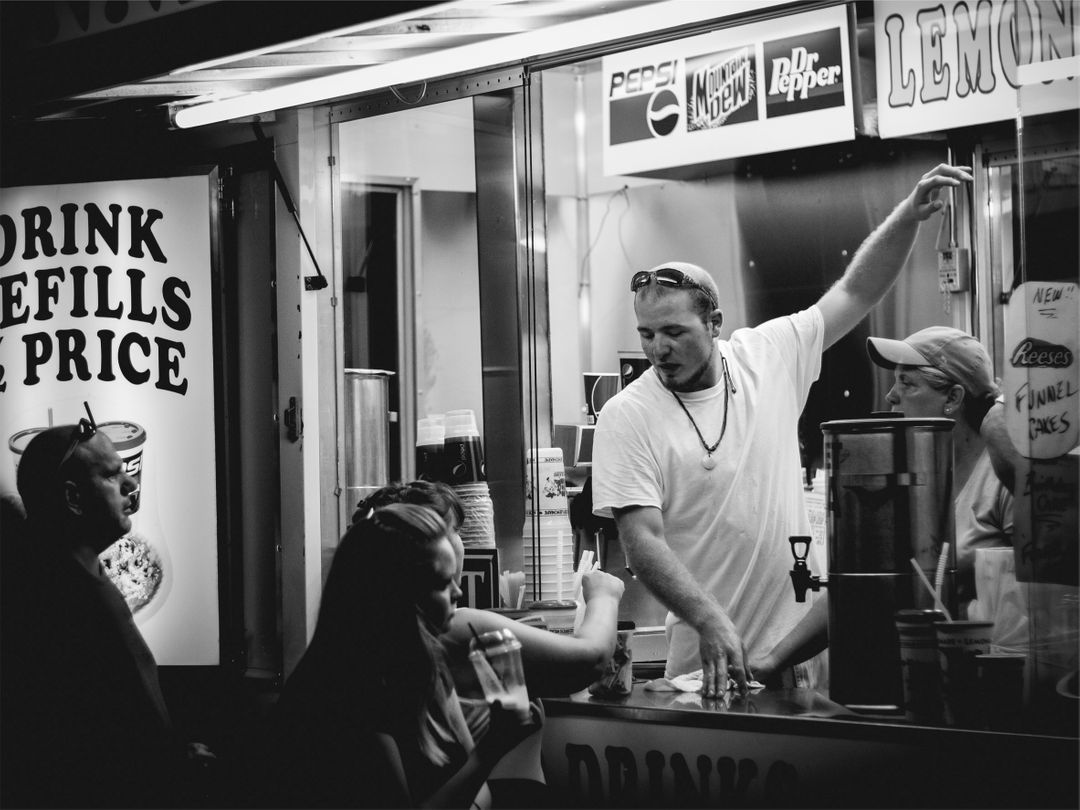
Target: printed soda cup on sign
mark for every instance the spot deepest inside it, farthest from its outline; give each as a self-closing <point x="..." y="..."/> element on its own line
<point x="138" y="563"/>
<point x="129" y="439"/>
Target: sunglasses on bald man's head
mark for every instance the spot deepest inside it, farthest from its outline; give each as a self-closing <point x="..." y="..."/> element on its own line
<point x="83" y="432"/>
<point x="670" y="277"/>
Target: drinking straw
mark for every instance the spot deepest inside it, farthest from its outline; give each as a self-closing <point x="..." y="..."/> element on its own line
<point x="937" y="598"/>
<point x="939" y="577"/>
<point x="584" y="564"/>
<point x="519" y="583"/>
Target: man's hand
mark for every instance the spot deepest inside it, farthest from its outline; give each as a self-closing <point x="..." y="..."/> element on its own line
<point x="722" y="657"/>
<point x="924" y="198"/>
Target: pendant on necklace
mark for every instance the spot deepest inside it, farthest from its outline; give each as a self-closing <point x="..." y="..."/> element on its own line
<point x="707" y="461"/>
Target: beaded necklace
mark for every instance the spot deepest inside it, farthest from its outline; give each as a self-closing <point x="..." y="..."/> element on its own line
<point x="707" y="461"/>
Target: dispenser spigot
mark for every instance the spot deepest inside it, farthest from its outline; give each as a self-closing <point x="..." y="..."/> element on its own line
<point x="801" y="578"/>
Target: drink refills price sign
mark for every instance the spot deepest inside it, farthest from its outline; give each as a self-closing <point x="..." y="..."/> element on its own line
<point x="105" y="297"/>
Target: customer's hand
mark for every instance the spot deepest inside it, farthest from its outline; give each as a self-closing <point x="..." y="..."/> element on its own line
<point x="765" y="670"/>
<point x="506" y="728"/>
<point x="600" y="583"/>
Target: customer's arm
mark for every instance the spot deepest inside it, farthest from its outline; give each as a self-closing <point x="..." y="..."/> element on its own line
<point x="556" y="663"/>
<point x="809" y="637"/>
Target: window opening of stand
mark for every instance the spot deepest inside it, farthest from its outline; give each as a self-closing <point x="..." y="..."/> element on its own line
<point x="409" y="288"/>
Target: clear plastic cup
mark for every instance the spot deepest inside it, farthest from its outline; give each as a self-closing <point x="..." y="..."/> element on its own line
<point x="496" y="659"/>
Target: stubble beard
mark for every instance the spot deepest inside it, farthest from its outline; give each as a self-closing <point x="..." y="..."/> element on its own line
<point x="693" y="383"/>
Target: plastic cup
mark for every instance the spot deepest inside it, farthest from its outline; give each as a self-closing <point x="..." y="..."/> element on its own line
<point x="958" y="644"/>
<point x="496" y="659"/>
<point x="464" y="453"/>
<point x="919" y="666"/>
<point x="1001" y="689"/>
<point x="430" y="449"/>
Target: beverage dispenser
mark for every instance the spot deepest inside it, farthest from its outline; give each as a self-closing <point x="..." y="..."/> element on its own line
<point x="889" y="500"/>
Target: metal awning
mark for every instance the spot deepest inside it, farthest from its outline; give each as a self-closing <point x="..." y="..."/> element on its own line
<point x="72" y="60"/>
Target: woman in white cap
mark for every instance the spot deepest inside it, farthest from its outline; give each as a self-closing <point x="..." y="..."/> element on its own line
<point x="944" y="372"/>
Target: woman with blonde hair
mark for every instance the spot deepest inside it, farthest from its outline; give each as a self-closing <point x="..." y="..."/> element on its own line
<point x="370" y="716"/>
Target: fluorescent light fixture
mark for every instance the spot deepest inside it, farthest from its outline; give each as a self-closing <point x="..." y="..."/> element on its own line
<point x="352" y="29"/>
<point x="512" y="49"/>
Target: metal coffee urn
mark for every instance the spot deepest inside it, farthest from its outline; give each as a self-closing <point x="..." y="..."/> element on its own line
<point x="889" y="500"/>
<point x="367" y="432"/>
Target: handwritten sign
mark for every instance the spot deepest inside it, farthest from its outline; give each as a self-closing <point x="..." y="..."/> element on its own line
<point x="1045" y="521"/>
<point x="1040" y="377"/>
<point x="1042" y="390"/>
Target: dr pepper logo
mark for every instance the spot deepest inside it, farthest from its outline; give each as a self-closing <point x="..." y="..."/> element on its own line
<point x="642" y="102"/>
<point x="803" y="73"/>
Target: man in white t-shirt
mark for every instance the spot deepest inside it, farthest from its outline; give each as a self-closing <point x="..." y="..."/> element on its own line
<point x="698" y="460"/>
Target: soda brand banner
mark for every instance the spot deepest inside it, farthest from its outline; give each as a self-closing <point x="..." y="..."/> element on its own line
<point x="953" y="64"/>
<point x="105" y="297"/>
<point x="762" y="87"/>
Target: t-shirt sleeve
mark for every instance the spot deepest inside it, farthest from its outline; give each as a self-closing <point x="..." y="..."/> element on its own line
<point x="625" y="472"/>
<point x="798" y="340"/>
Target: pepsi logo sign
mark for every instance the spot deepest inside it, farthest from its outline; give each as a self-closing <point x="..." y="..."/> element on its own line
<point x="642" y="79"/>
<point x="663" y="113"/>
<point x="644" y="102"/>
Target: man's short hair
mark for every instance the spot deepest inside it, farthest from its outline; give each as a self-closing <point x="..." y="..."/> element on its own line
<point x="705" y="294"/>
<point x="702" y="304"/>
<point x="38" y="477"/>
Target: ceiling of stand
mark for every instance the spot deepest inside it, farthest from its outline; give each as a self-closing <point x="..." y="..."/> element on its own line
<point x="67" y="60"/>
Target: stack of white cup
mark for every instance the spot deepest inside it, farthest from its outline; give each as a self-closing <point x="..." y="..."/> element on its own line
<point x="547" y="537"/>
<point x="464" y="457"/>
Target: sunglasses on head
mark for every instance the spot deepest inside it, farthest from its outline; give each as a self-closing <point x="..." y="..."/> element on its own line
<point x="83" y="432"/>
<point x="670" y="277"/>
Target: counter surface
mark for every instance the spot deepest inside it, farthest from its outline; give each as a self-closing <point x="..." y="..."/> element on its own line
<point x="789" y="747"/>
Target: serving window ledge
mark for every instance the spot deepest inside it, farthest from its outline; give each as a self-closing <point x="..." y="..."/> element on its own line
<point x="788" y="748"/>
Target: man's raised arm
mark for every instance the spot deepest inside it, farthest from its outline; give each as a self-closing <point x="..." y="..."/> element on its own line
<point x="879" y="258"/>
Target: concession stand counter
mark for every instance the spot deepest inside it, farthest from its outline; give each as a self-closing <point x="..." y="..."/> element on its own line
<point x="788" y="748"/>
